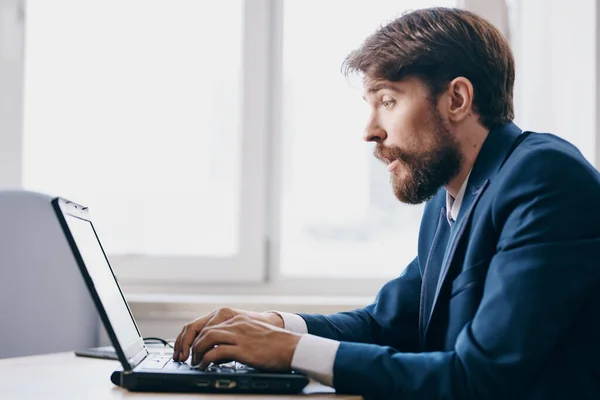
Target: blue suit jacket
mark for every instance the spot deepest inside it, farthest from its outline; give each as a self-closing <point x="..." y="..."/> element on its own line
<point x="503" y="305"/>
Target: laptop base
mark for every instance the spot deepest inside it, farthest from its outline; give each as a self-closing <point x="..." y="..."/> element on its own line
<point x="207" y="383"/>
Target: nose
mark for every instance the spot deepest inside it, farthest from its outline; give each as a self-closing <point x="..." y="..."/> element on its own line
<point x="373" y="131"/>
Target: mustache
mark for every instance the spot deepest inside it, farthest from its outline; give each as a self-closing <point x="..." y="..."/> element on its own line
<point x="388" y="154"/>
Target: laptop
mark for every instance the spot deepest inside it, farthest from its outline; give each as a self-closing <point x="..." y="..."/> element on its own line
<point x="141" y="370"/>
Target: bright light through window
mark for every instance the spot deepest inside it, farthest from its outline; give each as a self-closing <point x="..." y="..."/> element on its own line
<point x="133" y="107"/>
<point x="340" y="217"/>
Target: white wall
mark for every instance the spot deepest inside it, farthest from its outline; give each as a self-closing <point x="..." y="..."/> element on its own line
<point x="555" y="53"/>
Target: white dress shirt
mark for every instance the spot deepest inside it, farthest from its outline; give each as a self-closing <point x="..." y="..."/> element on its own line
<point x="453" y="205"/>
<point x="314" y="355"/>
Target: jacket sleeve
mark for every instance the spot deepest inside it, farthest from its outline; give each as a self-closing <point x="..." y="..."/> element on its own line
<point x="391" y="320"/>
<point x="543" y="274"/>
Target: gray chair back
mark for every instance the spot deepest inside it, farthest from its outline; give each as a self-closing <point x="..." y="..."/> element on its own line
<point x="44" y="304"/>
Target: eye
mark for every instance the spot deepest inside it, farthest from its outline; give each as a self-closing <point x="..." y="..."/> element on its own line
<point x="387" y="103"/>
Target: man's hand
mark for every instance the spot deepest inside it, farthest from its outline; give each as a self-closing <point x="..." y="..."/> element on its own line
<point x="248" y="341"/>
<point x="192" y="330"/>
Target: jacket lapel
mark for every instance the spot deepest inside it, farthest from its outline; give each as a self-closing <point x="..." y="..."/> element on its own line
<point x="456" y="235"/>
<point x="431" y="272"/>
<point x="495" y="150"/>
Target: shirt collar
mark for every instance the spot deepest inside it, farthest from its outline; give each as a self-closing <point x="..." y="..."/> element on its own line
<point x="453" y="204"/>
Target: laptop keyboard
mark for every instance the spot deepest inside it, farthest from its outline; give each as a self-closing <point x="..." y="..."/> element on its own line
<point x="166" y="362"/>
<point x="157" y="362"/>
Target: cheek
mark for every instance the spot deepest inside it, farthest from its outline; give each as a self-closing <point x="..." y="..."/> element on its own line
<point x="400" y="128"/>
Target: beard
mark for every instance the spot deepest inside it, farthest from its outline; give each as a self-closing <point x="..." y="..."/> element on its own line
<point x="420" y="174"/>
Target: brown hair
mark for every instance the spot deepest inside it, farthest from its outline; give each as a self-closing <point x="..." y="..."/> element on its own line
<point x="437" y="45"/>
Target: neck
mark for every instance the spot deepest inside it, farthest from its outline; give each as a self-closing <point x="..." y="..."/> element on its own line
<point x="470" y="142"/>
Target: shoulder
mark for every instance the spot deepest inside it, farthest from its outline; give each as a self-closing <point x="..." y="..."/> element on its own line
<point x="547" y="184"/>
<point x="547" y="158"/>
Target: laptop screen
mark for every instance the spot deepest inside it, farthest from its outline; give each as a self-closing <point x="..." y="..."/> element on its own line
<point x="106" y="286"/>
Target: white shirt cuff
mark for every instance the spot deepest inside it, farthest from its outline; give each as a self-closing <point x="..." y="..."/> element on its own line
<point x="292" y="322"/>
<point x="315" y="356"/>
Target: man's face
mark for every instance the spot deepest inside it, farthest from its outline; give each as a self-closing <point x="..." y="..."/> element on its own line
<point x="412" y="137"/>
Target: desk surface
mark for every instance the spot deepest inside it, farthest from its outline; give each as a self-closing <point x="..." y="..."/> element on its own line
<point x="65" y="376"/>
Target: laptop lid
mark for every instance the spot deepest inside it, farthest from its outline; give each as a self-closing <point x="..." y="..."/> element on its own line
<point x="101" y="282"/>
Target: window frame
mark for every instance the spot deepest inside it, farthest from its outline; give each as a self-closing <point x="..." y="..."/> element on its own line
<point x="249" y="264"/>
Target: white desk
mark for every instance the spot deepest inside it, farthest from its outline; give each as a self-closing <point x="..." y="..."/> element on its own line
<point x="65" y="376"/>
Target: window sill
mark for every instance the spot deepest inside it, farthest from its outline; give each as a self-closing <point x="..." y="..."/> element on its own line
<point x="188" y="307"/>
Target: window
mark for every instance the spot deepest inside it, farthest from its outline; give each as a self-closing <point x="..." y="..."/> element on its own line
<point x="339" y="215"/>
<point x="134" y="109"/>
<point x="218" y="142"/>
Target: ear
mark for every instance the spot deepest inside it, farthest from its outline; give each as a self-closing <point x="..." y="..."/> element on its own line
<point x="460" y="92"/>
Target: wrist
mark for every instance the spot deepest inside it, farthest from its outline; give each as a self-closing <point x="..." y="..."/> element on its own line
<point x="275" y="319"/>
